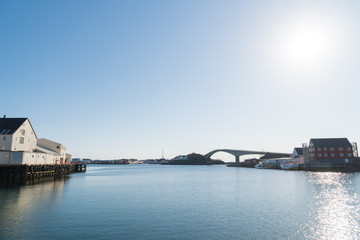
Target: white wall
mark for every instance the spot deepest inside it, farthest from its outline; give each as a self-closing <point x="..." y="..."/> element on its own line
<point x="29" y="158"/>
<point x="39" y="158"/>
<point x="53" y="146"/>
<point x="29" y="138"/>
<point x="68" y="158"/>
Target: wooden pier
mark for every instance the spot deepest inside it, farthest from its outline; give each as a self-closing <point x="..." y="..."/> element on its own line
<point x="79" y="167"/>
<point x="28" y="174"/>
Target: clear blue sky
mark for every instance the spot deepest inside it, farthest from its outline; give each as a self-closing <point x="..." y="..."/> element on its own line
<point x="122" y="79"/>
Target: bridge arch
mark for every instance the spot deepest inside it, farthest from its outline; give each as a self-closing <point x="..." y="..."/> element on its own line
<point x="238" y="153"/>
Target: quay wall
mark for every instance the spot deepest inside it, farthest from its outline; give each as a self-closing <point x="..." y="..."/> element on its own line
<point x="330" y="167"/>
<point x="23" y="174"/>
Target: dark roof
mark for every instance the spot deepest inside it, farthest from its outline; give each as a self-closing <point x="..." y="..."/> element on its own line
<point x="9" y="126"/>
<point x="330" y="142"/>
<point x="299" y="151"/>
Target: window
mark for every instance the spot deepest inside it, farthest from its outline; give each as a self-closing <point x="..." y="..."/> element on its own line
<point x="319" y="148"/>
<point x="22" y="131"/>
<point x="21" y="140"/>
<point x="325" y="154"/>
<point x="4" y="138"/>
<point x="332" y="149"/>
<point x="325" y="148"/>
<point x="341" y="149"/>
<point x="319" y="154"/>
<point x="348" y="148"/>
<point x="349" y="154"/>
<point x="3" y="148"/>
<point x="333" y="155"/>
<point x="341" y="154"/>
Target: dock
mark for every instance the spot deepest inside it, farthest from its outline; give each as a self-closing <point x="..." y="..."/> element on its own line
<point x="29" y="174"/>
<point x="79" y="167"/>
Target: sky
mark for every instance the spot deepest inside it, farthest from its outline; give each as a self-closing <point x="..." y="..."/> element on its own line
<point x="132" y="79"/>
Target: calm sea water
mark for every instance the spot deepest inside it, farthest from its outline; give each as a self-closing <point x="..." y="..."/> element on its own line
<point x="184" y="202"/>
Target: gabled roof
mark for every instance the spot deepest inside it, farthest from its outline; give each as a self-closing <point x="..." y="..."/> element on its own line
<point x="47" y="140"/>
<point x="330" y="142"/>
<point x="8" y="126"/>
<point x="299" y="150"/>
<point x="44" y="150"/>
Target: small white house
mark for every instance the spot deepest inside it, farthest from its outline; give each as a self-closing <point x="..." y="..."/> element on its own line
<point x="20" y="145"/>
<point x="297" y="152"/>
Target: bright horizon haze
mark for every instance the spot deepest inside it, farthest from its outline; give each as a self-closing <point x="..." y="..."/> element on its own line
<point x="127" y="79"/>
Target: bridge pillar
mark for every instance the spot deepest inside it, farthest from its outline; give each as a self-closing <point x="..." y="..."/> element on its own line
<point x="237" y="159"/>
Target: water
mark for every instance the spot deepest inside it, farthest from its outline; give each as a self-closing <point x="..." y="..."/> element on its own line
<point x="184" y="202"/>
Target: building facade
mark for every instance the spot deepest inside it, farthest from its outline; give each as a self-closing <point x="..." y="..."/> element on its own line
<point x="330" y="150"/>
<point x="56" y="147"/>
<point x="20" y="145"/>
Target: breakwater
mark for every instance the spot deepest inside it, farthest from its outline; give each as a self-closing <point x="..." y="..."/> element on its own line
<point x="28" y="174"/>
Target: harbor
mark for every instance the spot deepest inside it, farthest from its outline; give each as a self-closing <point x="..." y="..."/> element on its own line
<point x="181" y="120"/>
<point x="152" y="201"/>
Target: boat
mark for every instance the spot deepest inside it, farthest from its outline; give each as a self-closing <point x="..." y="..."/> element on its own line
<point x="259" y="166"/>
<point x="289" y="165"/>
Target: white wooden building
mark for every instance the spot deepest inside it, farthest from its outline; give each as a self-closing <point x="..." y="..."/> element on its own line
<point x="20" y="145"/>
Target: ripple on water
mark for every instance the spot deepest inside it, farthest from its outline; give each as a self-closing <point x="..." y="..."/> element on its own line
<point x="184" y="202"/>
<point x="336" y="215"/>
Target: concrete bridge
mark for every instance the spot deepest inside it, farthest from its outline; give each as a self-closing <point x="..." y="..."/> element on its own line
<point x="238" y="153"/>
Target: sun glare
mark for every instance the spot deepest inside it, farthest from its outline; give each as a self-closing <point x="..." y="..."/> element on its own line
<point x="306" y="45"/>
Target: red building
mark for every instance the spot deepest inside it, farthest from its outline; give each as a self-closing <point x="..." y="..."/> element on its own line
<point x="330" y="150"/>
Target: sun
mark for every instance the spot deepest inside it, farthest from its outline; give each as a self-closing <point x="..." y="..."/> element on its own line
<point x="306" y="45"/>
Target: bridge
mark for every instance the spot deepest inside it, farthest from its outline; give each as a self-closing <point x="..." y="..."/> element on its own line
<point x="238" y="153"/>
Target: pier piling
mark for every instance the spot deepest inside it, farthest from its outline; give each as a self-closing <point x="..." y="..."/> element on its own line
<point x="23" y="174"/>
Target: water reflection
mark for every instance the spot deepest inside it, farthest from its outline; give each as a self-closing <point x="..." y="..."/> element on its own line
<point x="17" y="203"/>
<point x="337" y="207"/>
